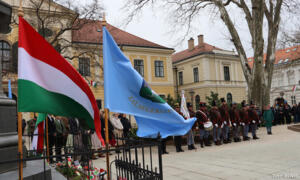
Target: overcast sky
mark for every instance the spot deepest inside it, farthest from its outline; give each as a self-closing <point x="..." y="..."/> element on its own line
<point x="154" y="27"/>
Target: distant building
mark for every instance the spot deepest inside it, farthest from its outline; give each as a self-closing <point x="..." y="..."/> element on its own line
<point x="286" y="75"/>
<point x="203" y="68"/>
<point x="151" y="60"/>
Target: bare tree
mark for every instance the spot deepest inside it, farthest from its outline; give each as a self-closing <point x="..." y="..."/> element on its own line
<point x="255" y="13"/>
<point x="55" y="20"/>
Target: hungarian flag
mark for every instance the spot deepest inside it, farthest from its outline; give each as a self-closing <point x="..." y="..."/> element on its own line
<point x="294" y="89"/>
<point x="49" y="84"/>
<point x="38" y="136"/>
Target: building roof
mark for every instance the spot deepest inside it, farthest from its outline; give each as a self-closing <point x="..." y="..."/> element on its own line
<point x="283" y="56"/>
<point x="202" y="48"/>
<point x="92" y="33"/>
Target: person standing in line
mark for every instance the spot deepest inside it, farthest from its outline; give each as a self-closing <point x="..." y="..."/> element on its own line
<point x="202" y="118"/>
<point x="268" y="118"/>
<point x="226" y="121"/>
<point x="245" y="121"/>
<point x="51" y="136"/>
<point x="190" y="137"/>
<point x="178" y="139"/>
<point x="287" y="113"/>
<point x="294" y="113"/>
<point x="235" y="121"/>
<point x="254" y="120"/>
<point x="217" y="123"/>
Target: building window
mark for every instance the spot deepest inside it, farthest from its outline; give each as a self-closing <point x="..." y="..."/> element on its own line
<point x="5" y="56"/>
<point x="84" y="66"/>
<point x="159" y="68"/>
<point x="180" y="78"/>
<point x="139" y="66"/>
<point x="197" y="100"/>
<point x="229" y="98"/>
<point x="196" y="74"/>
<point x="226" y="73"/>
<point x="293" y="99"/>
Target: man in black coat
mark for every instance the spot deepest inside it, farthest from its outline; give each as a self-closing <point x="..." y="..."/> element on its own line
<point x="51" y="136"/>
<point x="126" y="124"/>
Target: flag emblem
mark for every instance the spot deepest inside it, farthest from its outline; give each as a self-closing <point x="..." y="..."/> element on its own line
<point x="147" y="93"/>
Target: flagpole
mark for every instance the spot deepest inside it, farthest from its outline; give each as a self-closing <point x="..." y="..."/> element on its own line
<point x="20" y="140"/>
<point x="20" y="146"/>
<point x="47" y="138"/>
<point x="106" y="120"/>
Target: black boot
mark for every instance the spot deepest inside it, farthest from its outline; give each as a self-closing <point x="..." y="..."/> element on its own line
<point x="225" y="141"/>
<point x="201" y="143"/>
<point x="206" y="142"/>
<point x="229" y="140"/>
<point x="255" y="137"/>
<point x="190" y="147"/>
<point x="193" y="146"/>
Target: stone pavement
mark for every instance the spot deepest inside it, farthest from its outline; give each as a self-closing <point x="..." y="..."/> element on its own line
<point x="274" y="156"/>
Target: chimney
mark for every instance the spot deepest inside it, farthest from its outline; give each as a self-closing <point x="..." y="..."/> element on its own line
<point x="200" y="39"/>
<point x="191" y="43"/>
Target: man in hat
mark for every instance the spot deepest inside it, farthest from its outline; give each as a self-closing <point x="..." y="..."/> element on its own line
<point x="244" y="121"/>
<point x="235" y="121"/>
<point x="225" y="120"/>
<point x="254" y="120"/>
<point x="215" y="117"/>
<point x="178" y="139"/>
<point x="202" y="117"/>
<point x="190" y="138"/>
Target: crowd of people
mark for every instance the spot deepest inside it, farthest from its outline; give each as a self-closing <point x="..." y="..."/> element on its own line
<point x="215" y="124"/>
<point x="224" y="124"/>
<point x="69" y="135"/>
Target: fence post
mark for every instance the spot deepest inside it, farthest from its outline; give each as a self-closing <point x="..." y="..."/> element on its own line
<point x="160" y="157"/>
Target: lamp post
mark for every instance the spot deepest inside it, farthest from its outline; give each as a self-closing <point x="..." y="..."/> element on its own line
<point x="192" y="97"/>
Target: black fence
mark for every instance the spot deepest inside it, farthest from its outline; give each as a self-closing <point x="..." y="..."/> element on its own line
<point x="135" y="159"/>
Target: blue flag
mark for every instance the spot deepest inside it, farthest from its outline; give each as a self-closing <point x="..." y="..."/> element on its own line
<point x="9" y="90"/>
<point x="125" y="91"/>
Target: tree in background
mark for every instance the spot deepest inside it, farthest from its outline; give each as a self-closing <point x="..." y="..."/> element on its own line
<point x="213" y="97"/>
<point x="257" y="14"/>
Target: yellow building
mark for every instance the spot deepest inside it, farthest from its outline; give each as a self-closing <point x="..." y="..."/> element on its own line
<point x="151" y="60"/>
<point x="203" y="68"/>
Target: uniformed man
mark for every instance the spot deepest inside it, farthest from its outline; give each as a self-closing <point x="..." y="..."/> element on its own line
<point x="178" y="139"/>
<point x="235" y="122"/>
<point x="202" y="117"/>
<point x="254" y="120"/>
<point x="225" y="120"/>
<point x="217" y="123"/>
<point x="244" y="121"/>
<point x="190" y="137"/>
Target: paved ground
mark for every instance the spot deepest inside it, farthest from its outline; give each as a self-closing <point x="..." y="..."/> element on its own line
<point x="274" y="156"/>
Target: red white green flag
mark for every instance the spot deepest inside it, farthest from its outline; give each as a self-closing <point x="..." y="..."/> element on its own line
<point x="47" y="83"/>
<point x="38" y="135"/>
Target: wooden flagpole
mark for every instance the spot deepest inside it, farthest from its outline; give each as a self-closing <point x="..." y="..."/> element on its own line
<point x="106" y="120"/>
<point x="20" y="146"/>
<point x="20" y="139"/>
<point x="47" y="137"/>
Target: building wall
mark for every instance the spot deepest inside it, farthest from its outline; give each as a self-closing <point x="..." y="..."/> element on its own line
<point x="211" y="77"/>
<point x="285" y="76"/>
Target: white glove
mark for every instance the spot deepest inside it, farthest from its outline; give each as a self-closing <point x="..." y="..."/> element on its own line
<point x="222" y="125"/>
<point x="253" y="121"/>
<point x="234" y="124"/>
<point x="225" y="122"/>
<point x="216" y="125"/>
<point x="243" y="124"/>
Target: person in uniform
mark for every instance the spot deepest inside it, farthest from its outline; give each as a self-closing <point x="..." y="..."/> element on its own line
<point x="225" y="120"/>
<point x="202" y="117"/>
<point x="190" y="137"/>
<point x="178" y="139"/>
<point x="244" y="121"/>
<point x="217" y="123"/>
<point x="254" y="120"/>
<point x="235" y="122"/>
